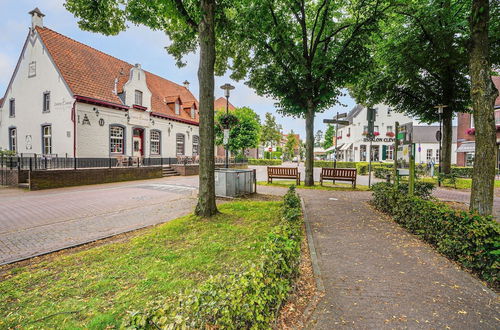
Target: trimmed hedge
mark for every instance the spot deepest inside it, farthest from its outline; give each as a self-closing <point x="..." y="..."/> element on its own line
<point x="250" y="299"/>
<point x="270" y="162"/>
<point x="470" y="239"/>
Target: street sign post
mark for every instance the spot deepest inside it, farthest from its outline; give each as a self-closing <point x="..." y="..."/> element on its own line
<point x="337" y="122"/>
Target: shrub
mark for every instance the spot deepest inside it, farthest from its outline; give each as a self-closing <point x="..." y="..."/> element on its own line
<point x="245" y="300"/>
<point x="470" y="239"/>
<point x="269" y="162"/>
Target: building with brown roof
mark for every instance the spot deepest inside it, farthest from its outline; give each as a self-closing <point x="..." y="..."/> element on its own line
<point x="68" y="98"/>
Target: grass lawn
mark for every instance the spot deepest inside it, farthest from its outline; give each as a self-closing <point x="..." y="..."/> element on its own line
<point x="94" y="288"/>
<point x="326" y="185"/>
<point x="462" y="183"/>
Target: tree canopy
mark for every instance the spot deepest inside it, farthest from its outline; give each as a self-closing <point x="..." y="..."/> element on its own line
<point x="244" y="134"/>
<point x="290" y="145"/>
<point x="329" y="136"/>
<point x="302" y="53"/>
<point x="271" y="131"/>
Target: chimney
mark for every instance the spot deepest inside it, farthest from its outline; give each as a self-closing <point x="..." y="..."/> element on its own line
<point x="186" y="84"/>
<point x="137" y="65"/>
<point x="36" y="18"/>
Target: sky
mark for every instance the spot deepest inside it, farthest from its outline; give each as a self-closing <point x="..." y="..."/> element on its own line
<point x="136" y="45"/>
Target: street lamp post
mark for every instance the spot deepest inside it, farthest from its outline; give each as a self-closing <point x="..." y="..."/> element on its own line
<point x="227" y="88"/>
<point x="440" y="138"/>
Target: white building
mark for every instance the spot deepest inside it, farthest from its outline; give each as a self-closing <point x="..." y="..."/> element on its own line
<point x="354" y="145"/>
<point x="67" y="98"/>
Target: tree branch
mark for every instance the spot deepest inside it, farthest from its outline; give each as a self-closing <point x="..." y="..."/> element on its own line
<point x="182" y="10"/>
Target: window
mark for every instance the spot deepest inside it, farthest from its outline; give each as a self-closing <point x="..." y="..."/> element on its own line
<point x="116" y="138"/>
<point x="13" y="139"/>
<point x="12" y="108"/>
<point x="348" y="131"/>
<point x="196" y="145"/>
<point x="429" y="155"/>
<point x="180" y="144"/>
<point x="375" y="129"/>
<point x="32" y="69"/>
<point x="389" y="110"/>
<point x="47" y="140"/>
<point x="138" y="97"/>
<point x="193" y="113"/>
<point x="365" y="129"/>
<point x="437" y="155"/>
<point x="389" y="153"/>
<point x="389" y="129"/>
<point x="177" y="108"/>
<point x="155" y="140"/>
<point x="362" y="153"/>
<point x="471" y="121"/>
<point x="46" y="102"/>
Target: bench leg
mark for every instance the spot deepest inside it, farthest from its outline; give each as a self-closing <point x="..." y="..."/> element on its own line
<point x="354" y="184"/>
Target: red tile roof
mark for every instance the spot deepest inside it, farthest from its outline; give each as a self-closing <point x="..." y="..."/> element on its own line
<point x="496" y="81"/>
<point x="220" y="104"/>
<point x="92" y="73"/>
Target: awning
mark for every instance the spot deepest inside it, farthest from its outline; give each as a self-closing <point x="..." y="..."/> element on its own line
<point x="339" y="147"/>
<point x="346" y="146"/>
<point x="467" y="147"/>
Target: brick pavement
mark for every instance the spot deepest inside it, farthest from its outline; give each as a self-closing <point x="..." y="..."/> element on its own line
<point x="378" y="276"/>
<point x="34" y="223"/>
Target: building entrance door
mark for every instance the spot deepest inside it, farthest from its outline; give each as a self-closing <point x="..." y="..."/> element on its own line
<point x="138" y="142"/>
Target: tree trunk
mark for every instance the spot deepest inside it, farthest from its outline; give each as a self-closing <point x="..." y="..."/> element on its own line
<point x="206" y="206"/>
<point x="309" y="162"/>
<point x="483" y="95"/>
<point x="446" y="142"/>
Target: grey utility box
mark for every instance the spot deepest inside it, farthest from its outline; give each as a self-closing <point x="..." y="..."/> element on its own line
<point x="234" y="182"/>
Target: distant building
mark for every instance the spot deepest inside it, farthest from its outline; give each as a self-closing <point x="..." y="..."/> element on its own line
<point x="466" y="132"/>
<point x="354" y="145"/>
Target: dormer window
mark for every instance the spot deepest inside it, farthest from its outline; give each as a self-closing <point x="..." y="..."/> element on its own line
<point x="177" y="108"/>
<point x="193" y="112"/>
<point x="138" y="97"/>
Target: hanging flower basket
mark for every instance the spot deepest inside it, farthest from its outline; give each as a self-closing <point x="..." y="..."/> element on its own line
<point x="390" y="134"/>
<point x="228" y="120"/>
<point x="339" y="137"/>
<point x="376" y="133"/>
<point x="348" y="135"/>
<point x="472" y="131"/>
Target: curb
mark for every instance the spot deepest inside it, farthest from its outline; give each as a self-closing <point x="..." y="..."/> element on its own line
<point x="312" y="249"/>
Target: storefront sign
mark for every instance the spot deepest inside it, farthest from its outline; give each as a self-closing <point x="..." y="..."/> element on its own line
<point x="388" y="139"/>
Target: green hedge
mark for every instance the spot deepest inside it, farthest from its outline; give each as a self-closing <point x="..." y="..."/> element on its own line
<point x="470" y="239"/>
<point x="265" y="162"/>
<point x="250" y="299"/>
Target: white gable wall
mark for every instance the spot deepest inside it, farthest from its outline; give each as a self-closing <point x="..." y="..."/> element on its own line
<point x="28" y="95"/>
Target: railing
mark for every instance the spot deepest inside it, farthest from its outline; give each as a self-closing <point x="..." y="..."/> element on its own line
<point x="35" y="162"/>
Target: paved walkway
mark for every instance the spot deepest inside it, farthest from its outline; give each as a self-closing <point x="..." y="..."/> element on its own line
<point x="34" y="223"/>
<point x="463" y="196"/>
<point x="378" y="276"/>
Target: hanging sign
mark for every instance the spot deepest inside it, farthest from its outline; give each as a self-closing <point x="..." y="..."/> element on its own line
<point x="226" y="136"/>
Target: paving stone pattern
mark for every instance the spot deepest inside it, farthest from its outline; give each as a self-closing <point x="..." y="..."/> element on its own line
<point x="378" y="276"/>
<point x="35" y="223"/>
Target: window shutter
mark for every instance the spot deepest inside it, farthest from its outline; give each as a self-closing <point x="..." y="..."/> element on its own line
<point x="384" y="152"/>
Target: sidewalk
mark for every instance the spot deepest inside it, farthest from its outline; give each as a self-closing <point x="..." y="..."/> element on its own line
<point x="376" y="275"/>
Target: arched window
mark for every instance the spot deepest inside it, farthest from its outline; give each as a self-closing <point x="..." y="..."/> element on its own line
<point x="155" y="142"/>
<point x="196" y="145"/>
<point x="180" y="142"/>
<point x="116" y="139"/>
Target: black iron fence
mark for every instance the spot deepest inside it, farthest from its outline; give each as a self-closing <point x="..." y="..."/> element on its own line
<point x="52" y="162"/>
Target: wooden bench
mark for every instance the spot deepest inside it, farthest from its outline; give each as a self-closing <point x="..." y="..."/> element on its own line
<point x="341" y="174"/>
<point x="283" y="173"/>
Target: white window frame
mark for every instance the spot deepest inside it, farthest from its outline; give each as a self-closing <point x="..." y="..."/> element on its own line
<point x="437" y="155"/>
<point x="389" y="129"/>
<point x="116" y="139"/>
<point x="180" y="144"/>
<point x="138" y="97"/>
<point x="155" y="142"/>
<point x="177" y="108"/>
<point x="428" y="155"/>
<point x="13" y="139"/>
<point x="196" y="145"/>
<point x="46" y="102"/>
<point x="389" y="152"/>
<point x="47" y="139"/>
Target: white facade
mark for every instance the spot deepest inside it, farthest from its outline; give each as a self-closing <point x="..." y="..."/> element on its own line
<point x="35" y="74"/>
<point x="353" y="144"/>
<point x="42" y="122"/>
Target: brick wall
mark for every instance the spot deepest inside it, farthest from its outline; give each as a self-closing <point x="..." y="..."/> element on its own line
<point x="13" y="177"/>
<point x="66" y="178"/>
